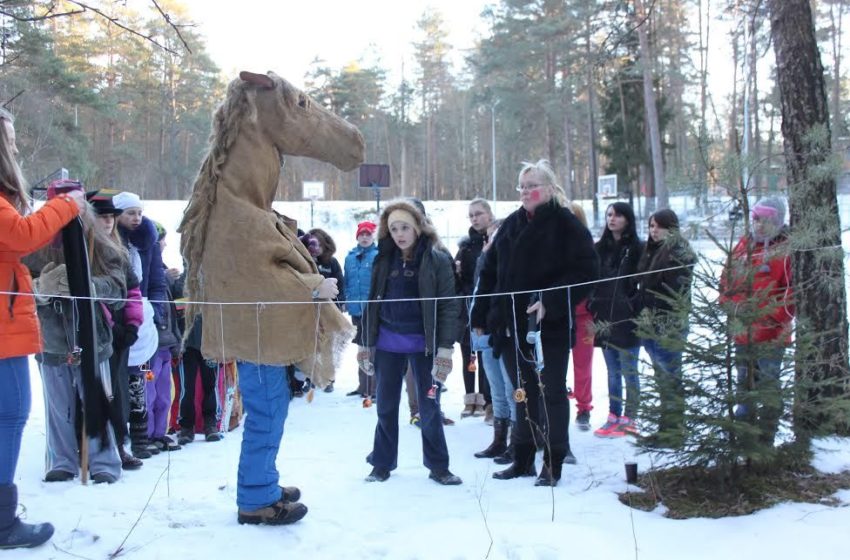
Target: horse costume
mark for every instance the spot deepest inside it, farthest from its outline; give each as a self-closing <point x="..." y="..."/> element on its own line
<point x="240" y="251"/>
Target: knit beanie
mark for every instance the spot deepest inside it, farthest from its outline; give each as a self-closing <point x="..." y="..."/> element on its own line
<point x="402" y="215"/>
<point x="770" y="209"/>
<point x="365" y="227"/>
<point x="125" y="200"/>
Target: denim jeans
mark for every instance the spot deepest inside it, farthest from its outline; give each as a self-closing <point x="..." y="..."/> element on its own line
<point x="501" y="388"/>
<point x="622" y="364"/>
<point x="265" y="398"/>
<point x="15" y="401"/>
<point x="668" y="377"/>
<point x="761" y="404"/>
<point x="390" y="369"/>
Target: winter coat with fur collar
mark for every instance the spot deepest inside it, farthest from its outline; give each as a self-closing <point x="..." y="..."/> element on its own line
<point x="548" y="250"/>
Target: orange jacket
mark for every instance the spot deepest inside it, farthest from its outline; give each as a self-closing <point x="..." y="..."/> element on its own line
<point x="19" y="236"/>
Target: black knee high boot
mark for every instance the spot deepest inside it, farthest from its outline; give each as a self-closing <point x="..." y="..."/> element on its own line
<point x="523" y="463"/>
<point x="500" y="439"/>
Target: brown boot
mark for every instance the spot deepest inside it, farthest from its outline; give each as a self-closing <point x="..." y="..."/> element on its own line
<point x="279" y="513"/>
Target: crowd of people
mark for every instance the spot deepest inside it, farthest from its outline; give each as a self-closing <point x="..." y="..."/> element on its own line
<point x="521" y="295"/>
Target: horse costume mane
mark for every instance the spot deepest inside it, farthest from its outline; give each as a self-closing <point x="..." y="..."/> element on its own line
<point x="239" y="250"/>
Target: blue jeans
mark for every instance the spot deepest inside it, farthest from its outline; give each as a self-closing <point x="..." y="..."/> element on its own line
<point x="390" y="368"/>
<point x="501" y="388"/>
<point x="265" y="397"/>
<point x="15" y="401"/>
<point x="668" y="377"/>
<point x="622" y="364"/>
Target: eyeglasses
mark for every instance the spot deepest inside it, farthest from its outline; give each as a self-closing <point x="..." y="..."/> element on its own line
<point x="529" y="186"/>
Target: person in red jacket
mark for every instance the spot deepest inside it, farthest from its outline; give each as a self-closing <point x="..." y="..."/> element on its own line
<point x="756" y="288"/>
<point x="21" y="232"/>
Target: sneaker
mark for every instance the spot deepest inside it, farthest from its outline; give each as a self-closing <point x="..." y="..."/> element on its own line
<point x="378" y="475"/>
<point x="609" y="425"/>
<point x="279" y="513"/>
<point x="625" y="427"/>
<point x="354" y="393"/>
<point x="583" y="420"/>
<point x="446" y="478"/>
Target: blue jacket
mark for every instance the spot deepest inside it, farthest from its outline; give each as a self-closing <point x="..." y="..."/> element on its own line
<point x="358" y="277"/>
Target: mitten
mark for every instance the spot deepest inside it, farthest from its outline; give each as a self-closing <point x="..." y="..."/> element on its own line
<point x="364" y="360"/>
<point x="442" y="364"/>
<point x="53" y="280"/>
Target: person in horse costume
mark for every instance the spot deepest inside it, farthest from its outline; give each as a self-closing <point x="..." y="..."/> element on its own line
<point x="239" y="251"/>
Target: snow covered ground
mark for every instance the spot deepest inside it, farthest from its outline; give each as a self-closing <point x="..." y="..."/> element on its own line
<point x="190" y="495"/>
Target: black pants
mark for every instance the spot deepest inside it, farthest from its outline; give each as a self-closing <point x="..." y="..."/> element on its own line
<point x="193" y="365"/>
<point x="543" y="414"/>
<point x="120" y="413"/>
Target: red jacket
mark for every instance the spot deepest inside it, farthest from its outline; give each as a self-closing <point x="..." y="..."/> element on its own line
<point x="19" y="236"/>
<point x="771" y="269"/>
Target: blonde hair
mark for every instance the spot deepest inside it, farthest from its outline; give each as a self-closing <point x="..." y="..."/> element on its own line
<point x="483" y="203"/>
<point x="578" y="212"/>
<point x="544" y="168"/>
<point x="11" y="179"/>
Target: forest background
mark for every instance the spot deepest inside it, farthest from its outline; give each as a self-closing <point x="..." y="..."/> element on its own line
<point x="556" y="79"/>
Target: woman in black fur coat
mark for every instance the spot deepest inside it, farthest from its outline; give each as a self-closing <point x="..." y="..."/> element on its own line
<point x="540" y="246"/>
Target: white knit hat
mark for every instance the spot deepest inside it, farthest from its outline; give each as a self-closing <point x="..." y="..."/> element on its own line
<point x="125" y="200"/>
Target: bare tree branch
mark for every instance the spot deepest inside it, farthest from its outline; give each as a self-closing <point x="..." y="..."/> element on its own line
<point x="5" y="9"/>
<point x="173" y="25"/>
<point x="9" y="101"/>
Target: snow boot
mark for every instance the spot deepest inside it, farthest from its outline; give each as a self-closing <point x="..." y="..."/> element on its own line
<point x="469" y="405"/>
<point x="185" y="436"/>
<point x="500" y="439"/>
<point x="128" y="462"/>
<point x="523" y="463"/>
<point x="13" y="532"/>
<point x="446" y="478"/>
<point x="479" y="405"/>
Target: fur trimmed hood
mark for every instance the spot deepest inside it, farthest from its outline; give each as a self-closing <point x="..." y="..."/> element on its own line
<point x="426" y="228"/>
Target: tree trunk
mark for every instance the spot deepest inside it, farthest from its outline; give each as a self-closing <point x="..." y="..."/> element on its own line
<point x="660" y="187"/>
<point x="591" y="125"/>
<point x="821" y="360"/>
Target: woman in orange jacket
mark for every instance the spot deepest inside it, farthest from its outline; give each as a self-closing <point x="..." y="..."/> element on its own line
<point x="21" y="232"/>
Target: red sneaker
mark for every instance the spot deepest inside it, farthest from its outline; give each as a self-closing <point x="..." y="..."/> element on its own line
<point x="609" y="426"/>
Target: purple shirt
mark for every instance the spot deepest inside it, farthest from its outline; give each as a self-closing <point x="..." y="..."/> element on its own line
<point x="390" y="341"/>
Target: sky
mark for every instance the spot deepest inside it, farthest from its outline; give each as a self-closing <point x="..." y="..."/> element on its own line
<point x="285" y="37"/>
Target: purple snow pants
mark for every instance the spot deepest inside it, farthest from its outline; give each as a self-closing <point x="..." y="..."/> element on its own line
<point x="158" y="393"/>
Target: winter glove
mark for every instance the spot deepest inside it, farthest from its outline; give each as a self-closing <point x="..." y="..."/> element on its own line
<point x="364" y="360"/>
<point x="124" y="336"/>
<point x="442" y="364"/>
<point x="53" y="280"/>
